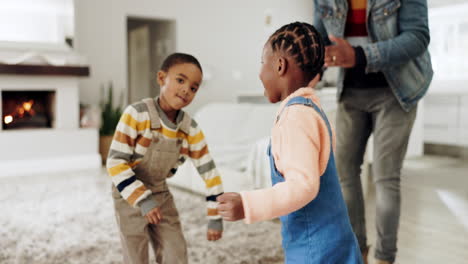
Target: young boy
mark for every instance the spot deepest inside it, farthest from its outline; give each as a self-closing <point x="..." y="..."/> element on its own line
<point x="154" y="137"/>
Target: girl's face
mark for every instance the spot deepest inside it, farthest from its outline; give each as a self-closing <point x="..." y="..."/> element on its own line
<point x="269" y="75"/>
<point x="179" y="84"/>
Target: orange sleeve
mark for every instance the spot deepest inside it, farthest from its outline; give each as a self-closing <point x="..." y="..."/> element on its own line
<point x="301" y="148"/>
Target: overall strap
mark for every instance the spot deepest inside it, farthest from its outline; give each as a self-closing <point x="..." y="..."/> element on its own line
<point x="153" y="113"/>
<point x="186" y="123"/>
<point x="308" y="102"/>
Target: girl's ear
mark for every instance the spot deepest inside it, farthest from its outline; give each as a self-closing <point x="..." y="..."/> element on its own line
<point x="161" y="76"/>
<point x="282" y="66"/>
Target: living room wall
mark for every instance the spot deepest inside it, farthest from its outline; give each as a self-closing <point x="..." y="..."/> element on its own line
<point x="226" y="36"/>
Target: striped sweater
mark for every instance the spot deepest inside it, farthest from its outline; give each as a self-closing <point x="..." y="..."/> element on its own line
<point x="131" y="141"/>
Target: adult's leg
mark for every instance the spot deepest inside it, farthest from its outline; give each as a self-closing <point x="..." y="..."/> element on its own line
<point x="392" y="129"/>
<point x="353" y="127"/>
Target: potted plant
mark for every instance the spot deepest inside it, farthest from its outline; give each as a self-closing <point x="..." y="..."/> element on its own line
<point x="110" y="116"/>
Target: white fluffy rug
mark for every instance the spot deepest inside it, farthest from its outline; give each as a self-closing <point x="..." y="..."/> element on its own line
<point x="69" y="218"/>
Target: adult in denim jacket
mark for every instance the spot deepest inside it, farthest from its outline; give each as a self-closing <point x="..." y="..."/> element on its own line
<point x="380" y="47"/>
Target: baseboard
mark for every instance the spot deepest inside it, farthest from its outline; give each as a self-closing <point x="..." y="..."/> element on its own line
<point x="460" y="152"/>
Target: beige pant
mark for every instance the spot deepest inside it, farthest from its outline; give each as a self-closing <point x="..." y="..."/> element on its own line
<point x="166" y="238"/>
<point x="135" y="232"/>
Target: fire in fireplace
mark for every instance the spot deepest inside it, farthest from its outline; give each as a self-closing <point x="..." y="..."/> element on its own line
<point x="27" y="109"/>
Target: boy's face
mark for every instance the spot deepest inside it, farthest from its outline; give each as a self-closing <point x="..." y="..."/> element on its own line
<point x="268" y="75"/>
<point x="179" y="84"/>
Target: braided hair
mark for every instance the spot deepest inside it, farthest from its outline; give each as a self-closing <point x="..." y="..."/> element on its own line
<point x="303" y="43"/>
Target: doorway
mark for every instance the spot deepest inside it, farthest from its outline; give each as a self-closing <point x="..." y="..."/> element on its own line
<point x="149" y="42"/>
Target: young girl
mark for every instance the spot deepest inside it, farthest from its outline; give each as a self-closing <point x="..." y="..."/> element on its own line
<point x="154" y="137"/>
<point x="306" y="194"/>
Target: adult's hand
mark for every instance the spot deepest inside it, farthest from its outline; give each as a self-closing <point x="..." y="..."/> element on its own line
<point x="341" y="54"/>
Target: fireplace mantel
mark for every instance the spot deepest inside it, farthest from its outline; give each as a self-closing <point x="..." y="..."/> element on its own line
<point x="48" y="70"/>
<point x="41" y="59"/>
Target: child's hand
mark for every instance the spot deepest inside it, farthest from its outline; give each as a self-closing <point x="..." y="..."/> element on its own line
<point x="230" y="206"/>
<point x="213" y="235"/>
<point x="154" y="216"/>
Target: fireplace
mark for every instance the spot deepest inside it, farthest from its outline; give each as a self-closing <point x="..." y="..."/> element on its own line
<point x="39" y="111"/>
<point x="27" y="109"/>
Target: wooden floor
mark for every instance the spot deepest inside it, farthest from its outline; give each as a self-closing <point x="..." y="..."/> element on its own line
<point x="434" y="219"/>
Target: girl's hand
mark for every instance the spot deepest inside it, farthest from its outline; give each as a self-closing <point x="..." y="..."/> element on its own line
<point x="213" y="235"/>
<point x="230" y="206"/>
<point x="154" y="216"/>
<point x="314" y="81"/>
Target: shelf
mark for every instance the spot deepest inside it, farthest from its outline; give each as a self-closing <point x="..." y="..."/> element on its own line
<point x="31" y="69"/>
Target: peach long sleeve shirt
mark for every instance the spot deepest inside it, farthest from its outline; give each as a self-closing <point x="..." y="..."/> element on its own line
<point x="300" y="144"/>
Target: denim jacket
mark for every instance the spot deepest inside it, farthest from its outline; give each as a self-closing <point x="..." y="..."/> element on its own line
<point x="398" y="40"/>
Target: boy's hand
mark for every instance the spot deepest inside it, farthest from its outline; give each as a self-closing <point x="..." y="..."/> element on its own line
<point x="213" y="235"/>
<point x="230" y="206"/>
<point x="154" y="216"/>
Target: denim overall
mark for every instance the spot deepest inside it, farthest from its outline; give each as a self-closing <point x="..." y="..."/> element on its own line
<point x="320" y="232"/>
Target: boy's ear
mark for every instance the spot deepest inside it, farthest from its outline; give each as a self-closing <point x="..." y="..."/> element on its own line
<point x="161" y="76"/>
<point x="282" y="66"/>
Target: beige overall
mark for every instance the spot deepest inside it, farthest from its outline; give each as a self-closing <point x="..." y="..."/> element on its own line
<point x="166" y="237"/>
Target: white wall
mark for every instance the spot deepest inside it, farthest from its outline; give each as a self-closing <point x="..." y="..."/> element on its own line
<point x="226" y="36"/>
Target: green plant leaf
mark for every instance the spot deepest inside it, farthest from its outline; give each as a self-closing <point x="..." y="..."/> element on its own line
<point x="110" y="115"/>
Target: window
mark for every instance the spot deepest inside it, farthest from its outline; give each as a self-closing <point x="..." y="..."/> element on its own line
<point x="43" y="21"/>
<point x="449" y="42"/>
